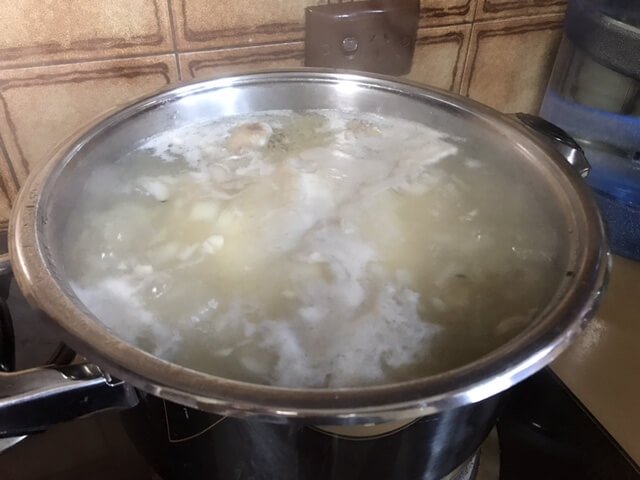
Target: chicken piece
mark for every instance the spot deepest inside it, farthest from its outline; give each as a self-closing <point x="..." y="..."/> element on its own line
<point x="249" y="136"/>
<point x="155" y="187"/>
<point x="363" y="128"/>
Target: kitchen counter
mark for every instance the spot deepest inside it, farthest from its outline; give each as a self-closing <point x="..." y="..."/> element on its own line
<point x="603" y="367"/>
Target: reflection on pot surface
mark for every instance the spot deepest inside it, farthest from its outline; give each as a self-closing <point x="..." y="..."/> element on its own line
<point x="183" y="443"/>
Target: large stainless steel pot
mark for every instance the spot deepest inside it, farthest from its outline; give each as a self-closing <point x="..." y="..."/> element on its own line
<point x="42" y="208"/>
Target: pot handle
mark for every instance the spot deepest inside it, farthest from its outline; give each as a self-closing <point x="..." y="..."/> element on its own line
<point x="7" y="343"/>
<point x="32" y="400"/>
<point x="5" y="261"/>
<point x="558" y="139"/>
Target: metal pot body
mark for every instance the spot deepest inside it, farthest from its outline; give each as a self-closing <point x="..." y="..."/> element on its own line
<point x="182" y="443"/>
<point x="44" y="204"/>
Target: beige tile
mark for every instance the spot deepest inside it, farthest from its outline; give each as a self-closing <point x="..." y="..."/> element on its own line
<point x="5" y="206"/>
<point x="8" y="185"/>
<point x="201" y="24"/>
<point x="439" y="57"/>
<point x="40" y="106"/>
<point x="36" y="32"/>
<point x="229" y="61"/>
<point x="446" y="12"/>
<point x="509" y="61"/>
<point x="488" y="9"/>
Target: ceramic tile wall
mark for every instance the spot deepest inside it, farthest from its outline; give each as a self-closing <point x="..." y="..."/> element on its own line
<point x="62" y="63"/>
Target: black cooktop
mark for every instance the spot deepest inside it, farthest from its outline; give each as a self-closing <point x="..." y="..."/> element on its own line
<point x="546" y="433"/>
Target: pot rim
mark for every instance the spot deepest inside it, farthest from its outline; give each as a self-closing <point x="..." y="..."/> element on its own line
<point x="491" y="374"/>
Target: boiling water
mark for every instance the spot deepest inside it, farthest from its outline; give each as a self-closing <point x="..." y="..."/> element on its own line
<point x="317" y="248"/>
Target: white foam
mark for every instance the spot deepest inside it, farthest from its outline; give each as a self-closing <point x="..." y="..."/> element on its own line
<point x="287" y="265"/>
<point x="112" y="299"/>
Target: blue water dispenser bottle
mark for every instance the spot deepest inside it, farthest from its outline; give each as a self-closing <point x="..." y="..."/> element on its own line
<point x="594" y="94"/>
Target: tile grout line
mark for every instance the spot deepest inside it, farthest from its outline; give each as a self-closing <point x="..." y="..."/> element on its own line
<point x="463" y="78"/>
<point x="242" y="47"/>
<point x="476" y="6"/>
<point x="4" y="188"/>
<point x="466" y="58"/>
<point x="173" y="39"/>
<point x="534" y="16"/>
<point x="32" y="65"/>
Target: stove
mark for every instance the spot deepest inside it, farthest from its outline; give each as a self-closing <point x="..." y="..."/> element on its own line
<point x="543" y="432"/>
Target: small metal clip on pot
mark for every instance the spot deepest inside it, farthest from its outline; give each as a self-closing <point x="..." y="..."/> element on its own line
<point x="558" y="139"/>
